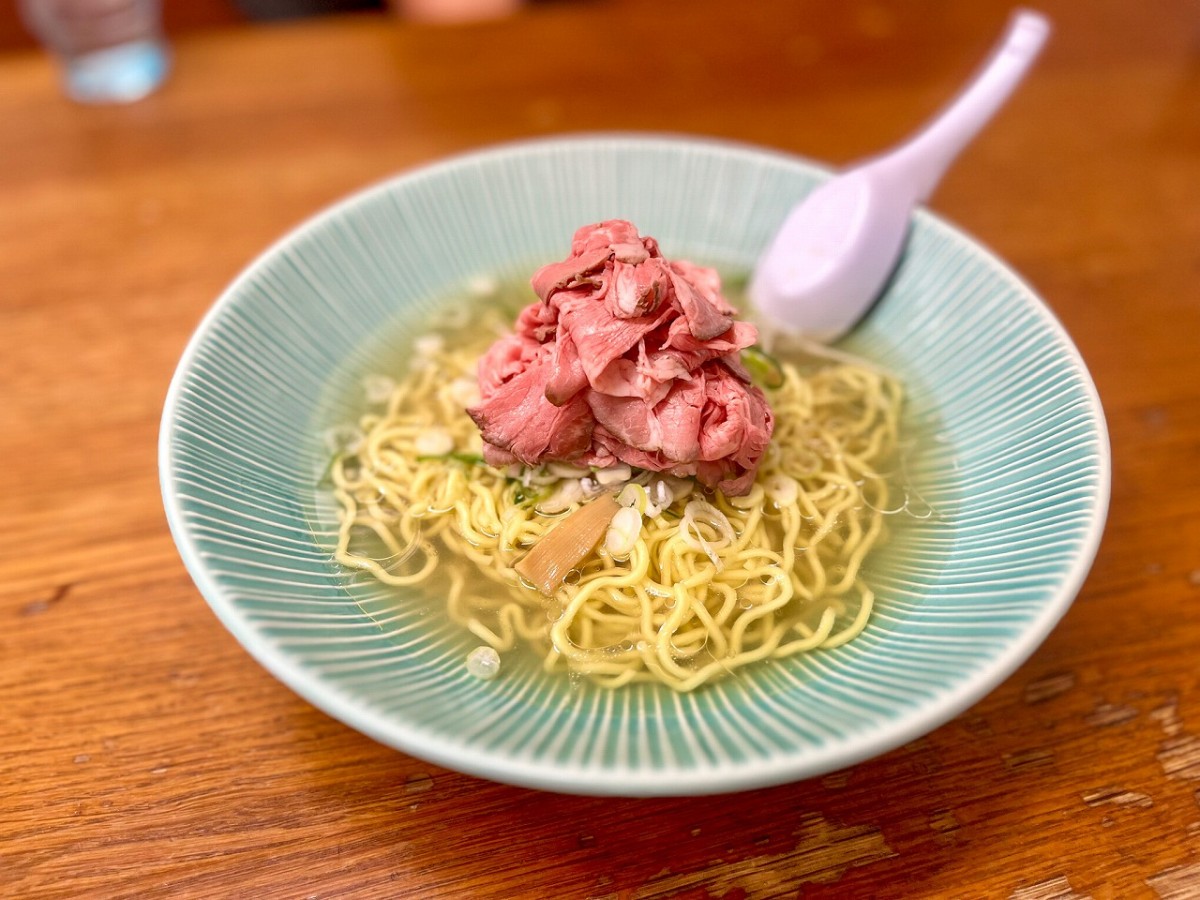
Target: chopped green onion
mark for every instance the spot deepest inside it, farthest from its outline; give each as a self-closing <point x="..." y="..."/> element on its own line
<point x="763" y="367"/>
<point x="524" y="495"/>
<point x="633" y="496"/>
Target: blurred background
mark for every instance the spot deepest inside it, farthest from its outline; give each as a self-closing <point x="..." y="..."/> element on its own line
<point x="183" y="16"/>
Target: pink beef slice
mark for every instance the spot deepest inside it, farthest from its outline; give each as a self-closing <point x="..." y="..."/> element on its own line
<point x="713" y="426"/>
<point x="517" y="419"/>
<point x="626" y="357"/>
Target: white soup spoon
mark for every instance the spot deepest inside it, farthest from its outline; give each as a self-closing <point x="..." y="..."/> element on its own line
<point x="837" y="247"/>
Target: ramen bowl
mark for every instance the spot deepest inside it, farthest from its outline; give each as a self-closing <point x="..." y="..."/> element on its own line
<point x="1013" y="466"/>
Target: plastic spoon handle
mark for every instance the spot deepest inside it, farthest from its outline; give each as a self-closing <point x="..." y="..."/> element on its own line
<point x="921" y="161"/>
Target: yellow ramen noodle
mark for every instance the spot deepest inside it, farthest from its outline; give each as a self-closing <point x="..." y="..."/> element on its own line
<point x="711" y="583"/>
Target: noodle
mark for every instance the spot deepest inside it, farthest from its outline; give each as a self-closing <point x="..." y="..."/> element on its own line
<point x="711" y="584"/>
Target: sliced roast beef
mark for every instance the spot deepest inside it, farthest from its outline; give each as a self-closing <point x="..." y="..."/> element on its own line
<point x="626" y="357"/>
<point x="517" y="418"/>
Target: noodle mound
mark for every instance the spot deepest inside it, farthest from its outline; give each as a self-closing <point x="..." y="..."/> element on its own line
<point x="710" y="584"/>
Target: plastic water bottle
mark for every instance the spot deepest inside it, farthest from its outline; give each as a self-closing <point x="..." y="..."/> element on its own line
<point x="111" y="51"/>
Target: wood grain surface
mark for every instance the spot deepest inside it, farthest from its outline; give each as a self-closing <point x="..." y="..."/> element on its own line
<point x="143" y="753"/>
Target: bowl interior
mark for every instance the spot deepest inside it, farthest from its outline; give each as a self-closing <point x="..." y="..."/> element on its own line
<point x="1013" y="460"/>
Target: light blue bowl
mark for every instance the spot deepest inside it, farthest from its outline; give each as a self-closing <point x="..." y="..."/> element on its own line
<point x="1016" y="463"/>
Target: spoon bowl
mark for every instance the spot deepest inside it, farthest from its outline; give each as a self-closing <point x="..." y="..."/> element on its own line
<point x="836" y="248"/>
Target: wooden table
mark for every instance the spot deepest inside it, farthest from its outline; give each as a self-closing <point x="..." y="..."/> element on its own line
<point x="142" y="751"/>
